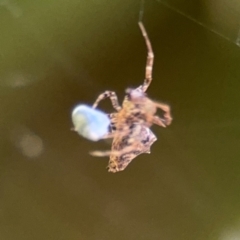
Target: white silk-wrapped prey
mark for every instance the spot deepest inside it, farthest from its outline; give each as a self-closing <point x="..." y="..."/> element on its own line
<point x="90" y="123"/>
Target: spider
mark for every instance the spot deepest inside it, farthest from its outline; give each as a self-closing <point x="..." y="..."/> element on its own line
<point x="130" y="124"/>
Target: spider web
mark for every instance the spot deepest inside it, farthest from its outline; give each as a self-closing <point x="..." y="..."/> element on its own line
<point x="219" y="17"/>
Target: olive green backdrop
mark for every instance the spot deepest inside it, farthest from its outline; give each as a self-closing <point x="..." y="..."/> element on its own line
<point x="56" y="54"/>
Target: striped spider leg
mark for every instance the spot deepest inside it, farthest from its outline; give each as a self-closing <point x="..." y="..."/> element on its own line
<point x="130" y="124"/>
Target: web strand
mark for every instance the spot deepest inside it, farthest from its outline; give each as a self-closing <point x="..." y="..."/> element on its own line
<point x="141" y="11"/>
<point x="237" y="42"/>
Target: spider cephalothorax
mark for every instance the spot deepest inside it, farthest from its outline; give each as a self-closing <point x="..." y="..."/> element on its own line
<point x="130" y="124"/>
<point x="143" y="109"/>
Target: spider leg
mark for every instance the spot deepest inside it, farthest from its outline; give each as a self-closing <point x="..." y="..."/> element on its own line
<point x="167" y="114"/>
<point x="150" y="60"/>
<point x="159" y="121"/>
<point x="127" y="149"/>
<point x="113" y="119"/>
<point x="108" y="135"/>
<point x="113" y="98"/>
<point x="100" y="153"/>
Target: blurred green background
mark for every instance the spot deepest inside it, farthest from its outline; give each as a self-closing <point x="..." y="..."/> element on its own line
<point x="56" y="54"/>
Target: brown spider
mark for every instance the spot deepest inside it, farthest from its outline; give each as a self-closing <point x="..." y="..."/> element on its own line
<point x="130" y="124"/>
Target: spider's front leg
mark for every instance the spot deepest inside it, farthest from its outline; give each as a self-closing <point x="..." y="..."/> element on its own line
<point x="150" y="60"/>
<point x="167" y="114"/>
<point x="113" y="98"/>
<point x="159" y="121"/>
<point x="117" y="153"/>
